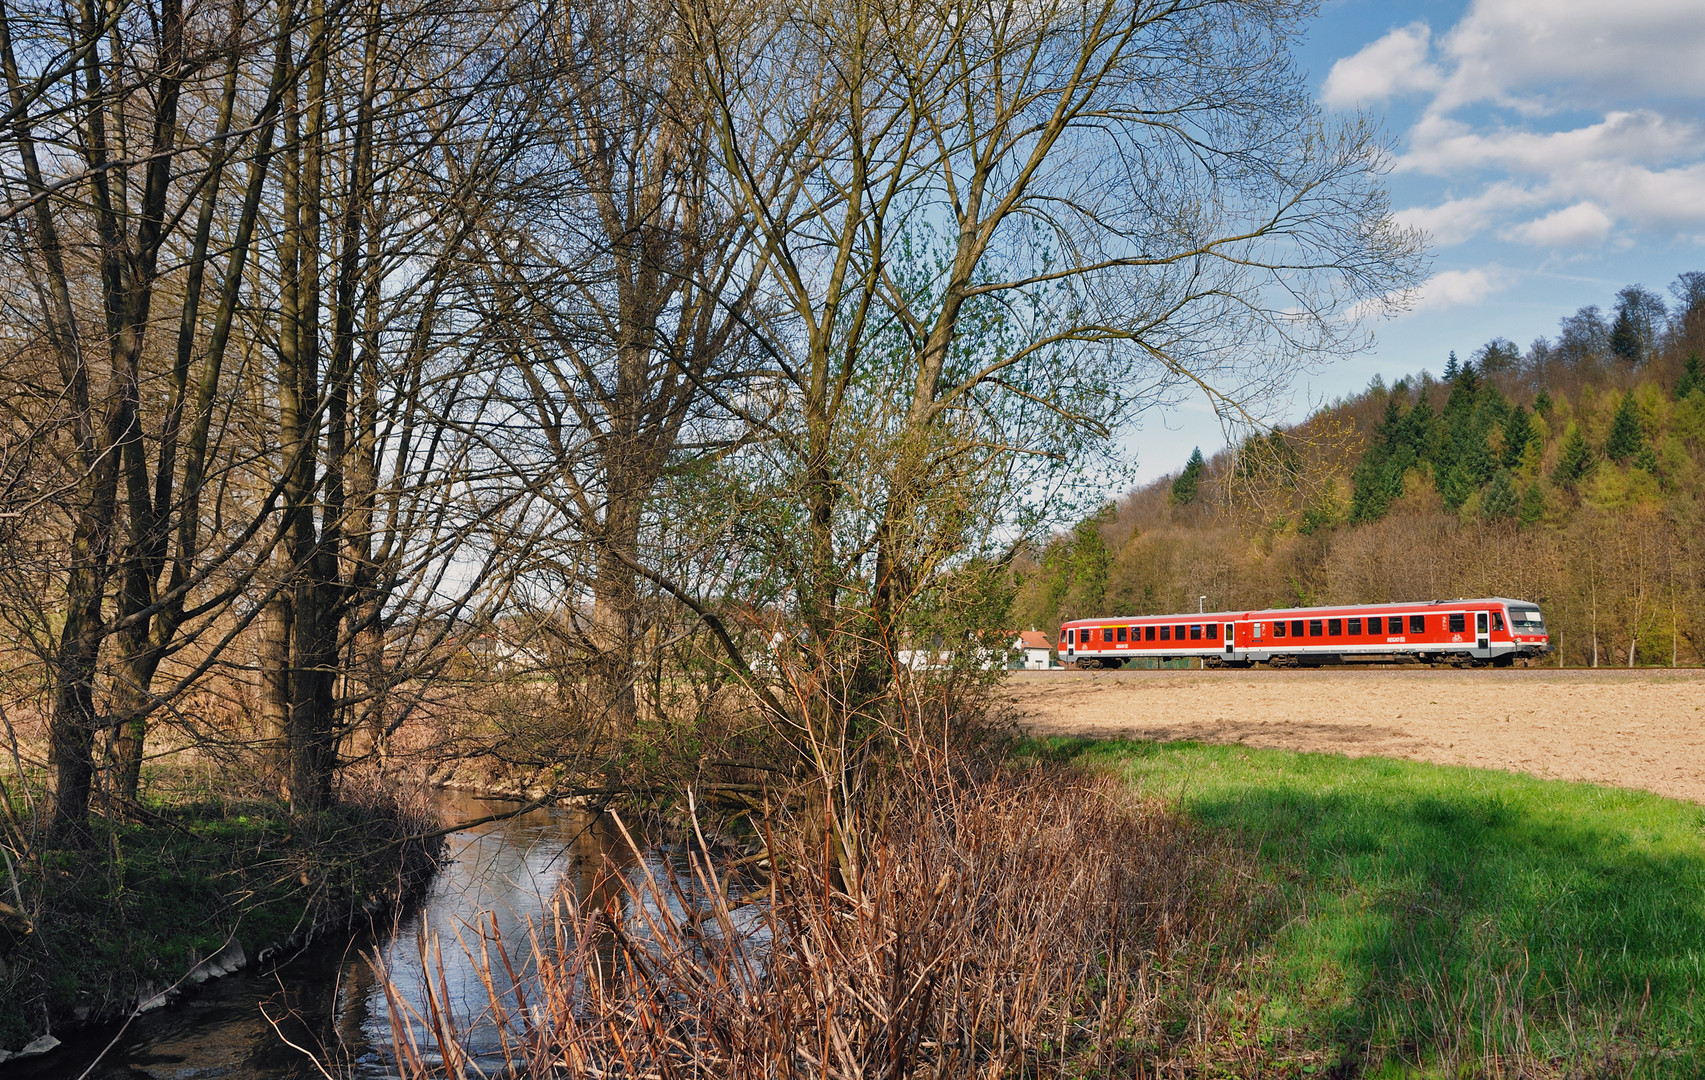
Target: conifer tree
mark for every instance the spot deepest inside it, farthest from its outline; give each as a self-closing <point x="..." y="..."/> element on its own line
<point x="1184" y="488"/>
<point x="1452" y="367"/>
<point x="1542" y="404"/>
<point x="1532" y="505"/>
<point x="1625" y="337"/>
<point x="1378" y="478"/>
<point x="1499" y="502"/>
<point x="1577" y="458"/>
<point x="1625" y="435"/>
<point x="1518" y="432"/>
<point x="1691" y="377"/>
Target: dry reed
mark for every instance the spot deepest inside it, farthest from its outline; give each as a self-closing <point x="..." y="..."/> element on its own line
<point x="1000" y="923"/>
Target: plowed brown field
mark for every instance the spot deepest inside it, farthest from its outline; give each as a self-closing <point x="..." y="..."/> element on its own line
<point x="1639" y="729"/>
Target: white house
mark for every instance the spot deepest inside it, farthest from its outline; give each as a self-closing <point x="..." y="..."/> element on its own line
<point x="1038" y="654"/>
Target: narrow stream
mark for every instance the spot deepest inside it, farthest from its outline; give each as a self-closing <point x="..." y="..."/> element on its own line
<point x="327" y="1001"/>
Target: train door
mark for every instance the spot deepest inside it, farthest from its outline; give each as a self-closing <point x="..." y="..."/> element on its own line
<point x="1229" y="628"/>
<point x="1482" y="639"/>
<point x="1071" y="644"/>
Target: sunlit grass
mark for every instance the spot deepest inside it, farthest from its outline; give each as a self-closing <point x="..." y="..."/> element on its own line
<point x="1455" y="921"/>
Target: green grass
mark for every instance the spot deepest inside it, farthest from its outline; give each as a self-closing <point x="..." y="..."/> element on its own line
<point x="134" y="911"/>
<point x="1442" y="921"/>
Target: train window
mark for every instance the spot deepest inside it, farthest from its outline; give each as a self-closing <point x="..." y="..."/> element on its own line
<point x="1417" y="624"/>
<point x="1314" y="628"/>
<point x="1121" y="633"/>
<point x="1335" y="627"/>
<point x="1375" y="624"/>
<point x="1148" y="634"/>
<point x="1178" y="633"/>
<point x="1196" y="632"/>
<point x="1296" y="628"/>
<point x="1497" y="620"/>
<point x="1166" y="633"/>
<point x="1213" y="631"/>
<point x="1071" y="637"/>
<point x="1106" y="633"/>
<point x="1356" y="628"/>
<point x="1278" y="628"/>
<point x="1458" y="622"/>
<point x="1258" y="627"/>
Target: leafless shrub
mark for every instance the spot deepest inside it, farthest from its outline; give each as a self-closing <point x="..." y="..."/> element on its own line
<point x="1000" y="923"/>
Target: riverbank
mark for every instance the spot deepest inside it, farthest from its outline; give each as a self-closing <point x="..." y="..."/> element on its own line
<point x="192" y="887"/>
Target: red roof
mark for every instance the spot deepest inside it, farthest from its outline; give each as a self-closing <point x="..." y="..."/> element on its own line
<point x="1034" y="639"/>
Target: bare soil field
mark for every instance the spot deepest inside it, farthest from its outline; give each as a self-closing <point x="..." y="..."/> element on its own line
<point x="1637" y="729"/>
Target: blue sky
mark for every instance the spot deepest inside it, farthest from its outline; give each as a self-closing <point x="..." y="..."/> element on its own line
<point x="1554" y="151"/>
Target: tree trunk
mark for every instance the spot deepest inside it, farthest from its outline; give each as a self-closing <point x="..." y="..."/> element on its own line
<point x="615" y="612"/>
<point x="71" y="730"/>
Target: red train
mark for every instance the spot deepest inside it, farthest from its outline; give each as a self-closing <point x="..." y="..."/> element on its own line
<point x="1494" y="630"/>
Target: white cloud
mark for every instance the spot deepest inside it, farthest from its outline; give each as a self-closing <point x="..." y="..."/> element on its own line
<point x="1555" y="53"/>
<point x="1454" y="288"/>
<point x="1447" y="289"/>
<point x="1581" y="225"/>
<point x="1455" y="220"/>
<point x="1443" y="145"/>
<point x="1395" y="64"/>
<point x="1508" y="84"/>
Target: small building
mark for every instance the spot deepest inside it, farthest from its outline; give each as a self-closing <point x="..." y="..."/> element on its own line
<point x="1037" y="654"/>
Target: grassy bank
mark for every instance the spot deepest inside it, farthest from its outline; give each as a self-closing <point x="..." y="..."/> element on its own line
<point x="1452" y="921"/>
<point x="161" y="890"/>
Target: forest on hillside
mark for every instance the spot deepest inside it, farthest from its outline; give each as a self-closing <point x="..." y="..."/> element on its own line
<point x="1571" y="473"/>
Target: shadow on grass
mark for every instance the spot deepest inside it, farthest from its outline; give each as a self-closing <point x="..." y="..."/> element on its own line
<point x="1468" y="921"/>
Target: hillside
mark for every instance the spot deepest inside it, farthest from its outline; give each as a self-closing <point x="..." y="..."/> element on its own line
<point x="1571" y="473"/>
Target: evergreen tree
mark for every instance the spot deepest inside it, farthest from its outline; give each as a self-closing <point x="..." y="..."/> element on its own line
<point x="1499" y="503"/>
<point x="1452" y="367"/>
<point x="1184" y="488"/>
<point x="1467" y="379"/>
<point x="1378" y="477"/>
<point x="1691" y="377"/>
<point x="1639" y="313"/>
<point x="1625" y="435"/>
<point x="1532" y="505"/>
<point x="1420" y="429"/>
<point x="1518" y="432"/>
<point x="1647" y="459"/>
<point x="1077" y="567"/>
<point x="1498" y="356"/>
<point x="1542" y="404"/>
<point x="1625" y="337"/>
<point x="1576" y="460"/>
<point x="1462" y="459"/>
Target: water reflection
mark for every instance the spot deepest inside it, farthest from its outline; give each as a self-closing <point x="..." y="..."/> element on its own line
<point x="328" y="1002"/>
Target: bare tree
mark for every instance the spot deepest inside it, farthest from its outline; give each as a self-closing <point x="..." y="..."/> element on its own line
<point x="623" y="282"/>
<point x="136" y="126"/>
<point x="999" y="231"/>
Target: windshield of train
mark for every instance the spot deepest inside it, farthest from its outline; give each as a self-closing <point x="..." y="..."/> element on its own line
<point x="1526" y="620"/>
